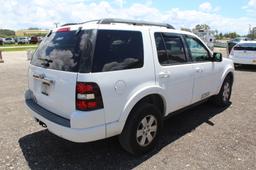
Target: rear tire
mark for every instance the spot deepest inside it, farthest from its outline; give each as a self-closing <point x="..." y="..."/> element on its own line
<point x="223" y="98"/>
<point x="142" y="128"/>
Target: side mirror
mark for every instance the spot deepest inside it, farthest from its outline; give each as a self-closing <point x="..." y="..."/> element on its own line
<point x="30" y="54"/>
<point x="217" y="57"/>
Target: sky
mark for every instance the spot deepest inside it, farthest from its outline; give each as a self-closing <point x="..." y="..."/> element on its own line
<point x="224" y="16"/>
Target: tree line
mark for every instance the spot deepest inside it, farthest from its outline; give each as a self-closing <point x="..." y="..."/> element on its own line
<point x="219" y="35"/>
<point x="5" y="33"/>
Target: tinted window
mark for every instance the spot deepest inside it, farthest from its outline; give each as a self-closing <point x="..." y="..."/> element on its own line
<point x="161" y="50"/>
<point x="117" y="50"/>
<point x="246" y="46"/>
<point x="175" y="49"/>
<point x="61" y="50"/>
<point x="197" y="49"/>
<point x="170" y="49"/>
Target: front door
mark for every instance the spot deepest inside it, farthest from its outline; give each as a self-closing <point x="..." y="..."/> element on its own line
<point x="205" y="71"/>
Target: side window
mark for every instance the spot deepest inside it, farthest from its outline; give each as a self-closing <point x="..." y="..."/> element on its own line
<point x="197" y="49"/>
<point x="118" y="50"/>
<point x="161" y="50"/>
<point x="175" y="49"/>
<point x="170" y="49"/>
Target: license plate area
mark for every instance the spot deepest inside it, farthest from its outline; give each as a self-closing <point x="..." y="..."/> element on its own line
<point x="45" y="88"/>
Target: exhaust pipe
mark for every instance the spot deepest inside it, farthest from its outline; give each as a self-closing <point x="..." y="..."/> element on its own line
<point x="41" y="123"/>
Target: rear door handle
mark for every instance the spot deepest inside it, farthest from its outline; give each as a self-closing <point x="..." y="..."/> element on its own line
<point x="164" y="74"/>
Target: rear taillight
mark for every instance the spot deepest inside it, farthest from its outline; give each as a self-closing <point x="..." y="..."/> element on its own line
<point x="88" y="96"/>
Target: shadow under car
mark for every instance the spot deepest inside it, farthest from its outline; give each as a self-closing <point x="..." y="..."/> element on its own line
<point x="42" y="150"/>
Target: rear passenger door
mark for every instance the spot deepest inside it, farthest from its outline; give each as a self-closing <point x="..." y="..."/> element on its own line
<point x="207" y="73"/>
<point x="173" y="71"/>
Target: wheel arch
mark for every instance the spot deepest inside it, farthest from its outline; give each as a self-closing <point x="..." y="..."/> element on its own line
<point x="228" y="72"/>
<point x="153" y="95"/>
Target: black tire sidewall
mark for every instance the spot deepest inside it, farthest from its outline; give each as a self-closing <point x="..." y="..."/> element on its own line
<point x="220" y="96"/>
<point x="138" y="114"/>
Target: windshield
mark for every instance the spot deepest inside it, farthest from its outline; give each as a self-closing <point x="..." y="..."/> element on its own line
<point x="61" y="50"/>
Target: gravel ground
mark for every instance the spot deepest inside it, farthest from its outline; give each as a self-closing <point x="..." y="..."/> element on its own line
<point x="204" y="137"/>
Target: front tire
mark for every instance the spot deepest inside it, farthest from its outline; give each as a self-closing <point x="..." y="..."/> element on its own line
<point x="223" y="98"/>
<point x="141" y="131"/>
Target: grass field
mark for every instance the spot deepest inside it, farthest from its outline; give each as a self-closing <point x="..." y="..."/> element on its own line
<point x="17" y="47"/>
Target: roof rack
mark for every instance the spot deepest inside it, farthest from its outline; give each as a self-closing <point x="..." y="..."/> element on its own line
<point x="124" y="21"/>
<point x="133" y="22"/>
<point x="67" y="24"/>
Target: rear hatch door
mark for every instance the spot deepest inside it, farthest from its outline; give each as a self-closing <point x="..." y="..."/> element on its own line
<point x="245" y="51"/>
<point x="53" y="71"/>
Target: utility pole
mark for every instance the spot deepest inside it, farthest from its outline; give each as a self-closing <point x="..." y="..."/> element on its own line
<point x="56" y="24"/>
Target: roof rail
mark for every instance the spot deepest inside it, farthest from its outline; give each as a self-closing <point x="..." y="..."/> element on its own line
<point x="69" y="24"/>
<point x="133" y="22"/>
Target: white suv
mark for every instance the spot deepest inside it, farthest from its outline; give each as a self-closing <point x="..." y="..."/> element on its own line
<point x="110" y="77"/>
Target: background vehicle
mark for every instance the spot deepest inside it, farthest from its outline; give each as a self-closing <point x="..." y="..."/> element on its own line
<point x="244" y="53"/>
<point x="207" y="36"/>
<point x="233" y="42"/>
<point x="33" y="40"/>
<point x="9" y="41"/>
<point x="1" y="41"/>
<point x="40" y="39"/>
<point x="22" y="40"/>
<point x="120" y="77"/>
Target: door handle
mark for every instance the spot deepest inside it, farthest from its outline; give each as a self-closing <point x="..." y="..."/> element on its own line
<point x="164" y="74"/>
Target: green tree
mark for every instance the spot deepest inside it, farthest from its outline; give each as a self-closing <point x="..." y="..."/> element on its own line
<point x="231" y="35"/>
<point x="252" y="33"/>
<point x="33" y="28"/>
<point x="6" y="33"/>
<point x="202" y="26"/>
<point x="185" y="29"/>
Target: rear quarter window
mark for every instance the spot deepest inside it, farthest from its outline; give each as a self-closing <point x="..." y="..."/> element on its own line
<point x="118" y="50"/>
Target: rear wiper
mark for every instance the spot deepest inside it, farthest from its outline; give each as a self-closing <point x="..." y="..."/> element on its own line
<point x="45" y="59"/>
<point x="45" y="62"/>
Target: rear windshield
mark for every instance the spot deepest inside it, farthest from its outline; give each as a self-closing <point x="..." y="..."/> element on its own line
<point x="61" y="50"/>
<point x="246" y="46"/>
<point x="90" y="51"/>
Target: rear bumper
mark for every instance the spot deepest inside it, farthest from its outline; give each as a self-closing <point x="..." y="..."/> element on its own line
<point x="243" y="61"/>
<point x="61" y="126"/>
